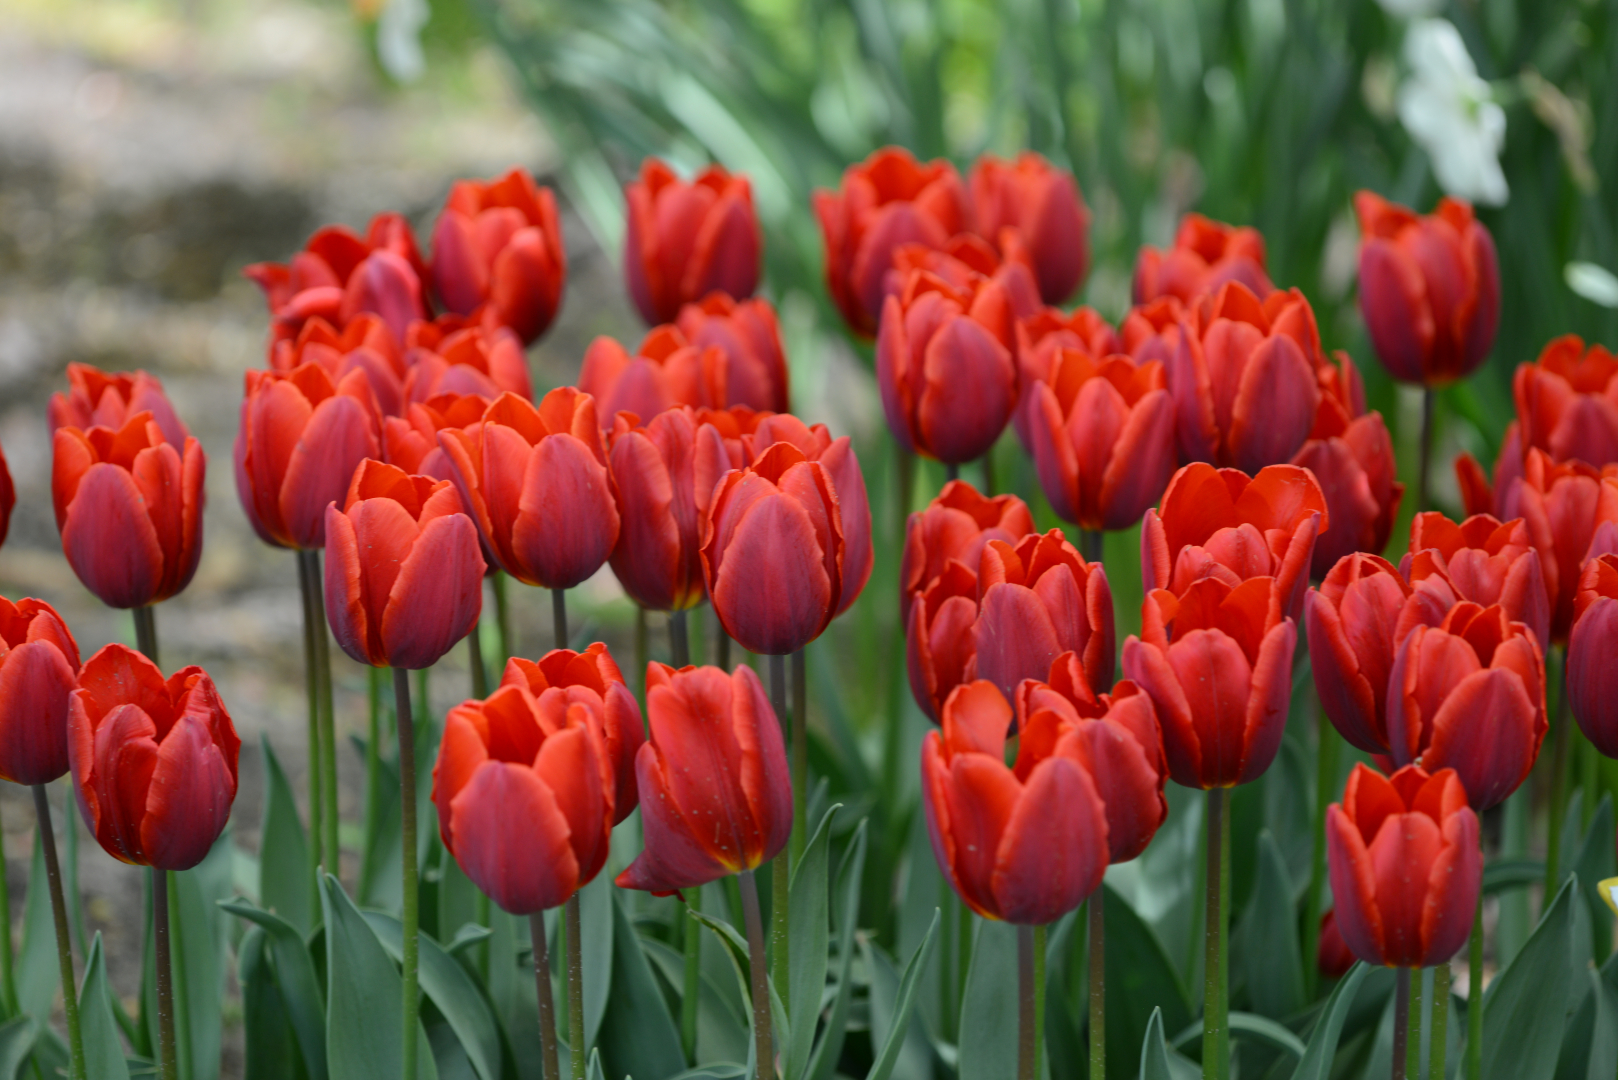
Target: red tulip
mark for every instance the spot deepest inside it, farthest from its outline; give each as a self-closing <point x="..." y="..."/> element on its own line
<point x="1026" y="845"/>
<point x="747" y="333"/>
<point x="773" y="552"/>
<point x="39" y="666"/>
<point x="1102" y="438"/>
<point x="1245" y="378"/>
<point x="887" y="200"/>
<point x="684" y="240"/>
<point x="1332" y="958"/>
<point x="1206" y="254"/>
<point x="498" y="253"/>
<point x="301" y="438"/>
<point x="1429" y="288"/>
<point x="665" y="372"/>
<point x="8" y="497"/>
<point x="1483" y="561"/>
<point x="954" y="528"/>
<point x="475" y="360"/>
<point x="941" y="637"/>
<point x="524" y="793"/>
<point x="1469" y="694"/>
<point x="1217" y="522"/>
<point x="404" y="577"/>
<point x="365" y="345"/>
<point x="1152" y="331"/>
<point x="1592" y="677"/>
<point x="411" y="441"/>
<point x="1568" y="402"/>
<point x="534" y="480"/>
<point x="129" y="507"/>
<point x="1567" y="506"/>
<point x="1042" y="337"/>
<point x="1478" y="494"/>
<point x="715" y="788"/>
<point x="97" y="398"/>
<point x="154" y="761"/>
<point x="1405" y="866"/>
<point x="338" y="276"/>
<point x="1037" y="600"/>
<point x="944" y="365"/>
<point x="1041" y="207"/>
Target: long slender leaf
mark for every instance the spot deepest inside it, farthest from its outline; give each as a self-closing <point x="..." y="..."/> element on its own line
<point x="283" y="853"/>
<point x="899" y="1021"/>
<point x="447" y="985"/>
<point x="1526" y="1004"/>
<point x="103" y="1051"/>
<point x="295" y="978"/>
<point x="1317" y="1057"/>
<point x="809" y="935"/>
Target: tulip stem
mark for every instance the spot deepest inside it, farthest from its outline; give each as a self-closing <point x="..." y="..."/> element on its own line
<point x="1039" y="997"/>
<point x="1413" y="1039"/>
<point x="762" y="1044"/>
<point x="575" y="986"/>
<point x="64" y="944"/>
<point x="559" y="616"/>
<point x="474" y="660"/>
<point x="312" y="685"/>
<point x="723" y="648"/>
<point x="1091" y="544"/>
<point x="679" y="641"/>
<point x="309" y="566"/>
<point x="146" y="632"/>
<point x="1025" y="1003"/>
<point x="410" y="916"/>
<point x="502" y="617"/>
<point x="1098" y="988"/>
<point x="780" y="870"/>
<point x="8" y="977"/>
<point x="1326" y="751"/>
<point x="1437" y="1041"/>
<point x="1474" y="996"/>
<point x="1215" y="1040"/>
<point x="952" y="471"/>
<point x="1558" y="809"/>
<point x="693" y="974"/>
<point x="1426" y="448"/>
<point x="800" y="753"/>
<point x="168" y="1068"/>
<point x="547" y="1004"/>
<point x="1401" y="1023"/>
<point x="641" y="651"/>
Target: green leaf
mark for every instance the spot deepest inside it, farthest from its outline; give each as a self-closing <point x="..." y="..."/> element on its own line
<point x="37" y="971"/>
<point x="722" y="1029"/>
<point x="283" y="852"/>
<point x="295" y="981"/>
<point x="595" y="915"/>
<point x="1526" y="1005"/>
<point x="1503" y="874"/>
<point x="1322" y="1047"/>
<point x="1592" y="861"/>
<point x="808" y="935"/>
<point x="363" y="993"/>
<point x="271" y="1045"/>
<point x="1590" y="1047"/>
<point x="898" y="1021"/>
<point x="1140" y="977"/>
<point x="447" y="985"/>
<point x="198" y="960"/>
<point x="1269" y="938"/>
<point x="850" y="879"/>
<point x="988" y="1043"/>
<point x="103" y="1051"/>
<point x="638" y="1036"/>
<point x="17" y="1037"/>
<point x="1154" y="1052"/>
<point x="1267" y="1031"/>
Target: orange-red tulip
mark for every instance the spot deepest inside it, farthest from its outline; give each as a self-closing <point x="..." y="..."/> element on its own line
<point x="1567" y="402"/>
<point x="1483" y="561"/>
<point x="39" y="666"/>
<point x="498" y="252"/>
<point x="411" y="441"/>
<point x="97" y="398"/>
<point x="1592" y="675"/>
<point x="1152" y="331"/>
<point x="1037" y="600"/>
<point x="941" y="637"/>
<point x="665" y="371"/>
<point x="1570" y="508"/>
<point x="684" y="240"/>
<point x="1040" y="206"/>
<point x="1042" y="337"/>
<point x="154" y="760"/>
<point x="954" y="527"/>
<point x="1332" y="957"/>
<point x="487" y="361"/>
<point x="747" y="332"/>
<point x="364" y="344"/>
<point x="1205" y="255"/>
<point x="339" y="276"/>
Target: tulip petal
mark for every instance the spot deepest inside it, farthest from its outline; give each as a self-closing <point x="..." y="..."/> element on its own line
<point x="1141" y="463"/>
<point x="339" y="435"/>
<point x="511" y="838"/>
<point x="1054" y="848"/>
<point x="110" y="541"/>
<point x="1353" y="888"/>
<point x="1268" y="700"/>
<point x="35" y="683"/>
<point x="1452" y="890"/>
<point x="1215" y="677"/>
<point x="569" y="764"/>
<point x="438" y="594"/>
<point x="982" y="795"/>
<point x="1148" y="666"/>
<point x="1404" y="841"/>
<point x="1484" y="730"/>
<point x="772" y="589"/>
<point x="673" y="856"/>
<point x="1592" y="677"/>
<point x="1015" y="637"/>
<point x="567" y="523"/>
<point x="189" y="798"/>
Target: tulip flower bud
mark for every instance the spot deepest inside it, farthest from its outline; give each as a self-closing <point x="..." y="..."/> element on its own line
<point x="338" y="277"/>
<point x="8" y="497"/>
<point x="411" y="441"/>
<point x="1483" y="561"/>
<point x="487" y="361"/>
<point x="941" y="637"/>
<point x="301" y="438"/>
<point x="1469" y="694"/>
<point x="154" y="760"/>
<point x="1152" y="331"/>
<point x="1041" y="338"/>
<point x="1566" y="506"/>
<point x="1026" y="845"/>
<point x="534" y="480"/>
<point x="1041" y="206"/>
<point x="1567" y="402"/>
<point x="961" y="263"/>
<point x="1332" y="958"/>
<point x="498" y="253"/>
<point x="365" y="344"/>
<point x="954" y="528"/>
<point x="129" y="508"/>
<point x="1592" y="676"/>
<point x="665" y="372"/>
<point x="404" y="577"/>
<point x="1206" y="254"/>
<point x="97" y="398"/>
<point x="1429" y="289"/>
<point x="1405" y="866"/>
<point x="747" y="332"/>
<point x="684" y="240"/>
<point x="39" y="666"/>
<point x="715" y="787"/>
<point x="887" y="200"/>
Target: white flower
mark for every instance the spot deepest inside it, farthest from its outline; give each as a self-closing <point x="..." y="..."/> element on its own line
<point x="1410" y="9"/>
<point x="398" y="39"/>
<point x="1449" y="111"/>
<point x="1594" y="283"/>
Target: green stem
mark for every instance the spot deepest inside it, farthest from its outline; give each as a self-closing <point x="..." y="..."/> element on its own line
<point x="8" y="978"/>
<point x="146" y="633"/>
<point x="1474" y="996"/>
<point x="641" y="651"/>
<point x="502" y="619"/>
<point x="1423" y="466"/>
<point x="64" y="943"/>
<point x="1413" y="1038"/>
<point x="559" y="616"/>
<point x="692" y="988"/>
<point x="762" y="1043"/>
<point x="410" y="916"/>
<point x="988" y="472"/>
<point x="679" y="642"/>
<point x="948" y="1007"/>
<point x="952" y="471"/>
<point x="547" y="1004"/>
<point x="1039" y="992"/>
<point x="1438" y="1042"/>
<point x="1558" y="807"/>
<point x="1025" y="1003"/>
<point x="312" y="686"/>
<point x="1098" y="990"/>
<point x="1091" y="544"/>
<point x="328" y="721"/>
<point x="963" y="956"/>
<point x="1327" y="744"/>
<point x="1224" y="941"/>
<point x="1401" y="1023"/>
<point x="575" y="986"/>
<point x="373" y="776"/>
<point x="168" y="1069"/>
<point x="483" y="914"/>
<point x="781" y="878"/>
<point x="800" y="754"/>
<point x="474" y="661"/>
<point x="1213" y="1042"/>
<point x="722" y="647"/>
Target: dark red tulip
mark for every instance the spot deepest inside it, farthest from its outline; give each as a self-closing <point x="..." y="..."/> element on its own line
<point x="684" y="240"/>
<point x="1220" y="523"/>
<point x="404" y="576"/>
<point x="487" y="361"/>
<point x="1026" y="845"/>
<point x="97" y="398"/>
<point x="1332" y="958"/>
<point x="498" y="253"/>
<point x="963" y="261"/>
<point x="1037" y="600"/>
<point x="154" y="760"/>
<point x="411" y="441"/>
<point x="1206" y="254"/>
<point x="1480" y="495"/>
<point x="665" y="372"/>
<point x="129" y="507"/>
<point x="1040" y="207"/>
<point x="524" y="793"/>
<point x="1153" y="331"/>
<point x="747" y="332"/>
<point x="1469" y="694"/>
<point x="944" y="364"/>
<point x="1567" y="402"/>
<point x="1592" y="676"/>
<point x="534" y="480"/>
<point x="339" y="276"/>
<point x="773" y="551"/>
<point x="886" y="200"/>
<point x="561" y="679"/>
<point x="39" y="666"/>
<point x="715" y="788"/>
<point x="1102" y="437"/>
<point x="953" y="528"/>
<point x="941" y="637"/>
<point x="1429" y="288"/>
<point x="8" y="497"/>
<point x="1042" y="337"/>
<point x="302" y="435"/>
<point x="1567" y="506"/>
<point x="1483" y="561"/>
<point x="365" y="345"/>
<point x="1405" y="866"/>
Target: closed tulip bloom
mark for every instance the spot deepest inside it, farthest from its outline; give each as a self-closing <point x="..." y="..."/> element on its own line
<point x="97" y="398"/>
<point x="498" y="252"/>
<point x="1042" y="204"/>
<point x="1351" y="455"/>
<point x="1102" y="437"/>
<point x="404" y="576"/>
<point x="365" y="344"/>
<point x="1429" y="288"/>
<point x="153" y="759"/>
<point x="1566" y="506"/>
<point x="715" y="787"/>
<point x="1405" y="866"/>
<point x="476" y="360"/>
<point x="945" y="368"/>
<point x="1041" y="339"/>
<point x="129" y="508"/>
<point x="302" y="435"/>
<point x="534" y="480"/>
<point x="561" y="679"/>
<point x="339" y="276"/>
<point x="773" y="551"/>
<point x="524" y="794"/>
<point x="39" y="665"/>
<point x="1025" y="845"/>
<point x="1469" y="695"/>
<point x="1332" y="957"/>
<point x="684" y="240"/>
<point x="886" y="200"/>
<point x="748" y="334"/>
<point x="1568" y="402"/>
<point x="941" y="637"/>
<point x="1037" y="600"/>
<point x="954" y="527"/>
<point x="666" y="371"/>
<point x="1483" y="561"/>
<point x="1152" y="331"/>
<point x="411" y="441"/>
<point x="1592" y="676"/>
<point x="1220" y="523"/>
<point x="961" y="262"/>
<point x="8" y="497"/>
<point x="1206" y="254"/>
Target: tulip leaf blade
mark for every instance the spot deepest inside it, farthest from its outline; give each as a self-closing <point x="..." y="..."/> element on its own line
<point x="295" y="981"/>
<point x="638" y="1037"/>
<point x="1503" y="874"/>
<point x="37" y="973"/>
<point x="1269" y="938"/>
<point x="271" y="1042"/>
<point x="1322" y="1046"/>
<point x="850" y="878"/>
<point x="988" y="1027"/>
<point x="1592" y="861"/>
<point x="198" y="958"/>
<point x="447" y="985"/>
<point x="903" y="1003"/>
<point x="596" y="930"/>
<point x="17" y="1038"/>
<point x="808" y="936"/>
<point x="283" y="852"/>
<point x="1139" y="976"/>
<point x="1154" y="1050"/>
<point x="1524" y="1008"/>
<point x="103" y="1052"/>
